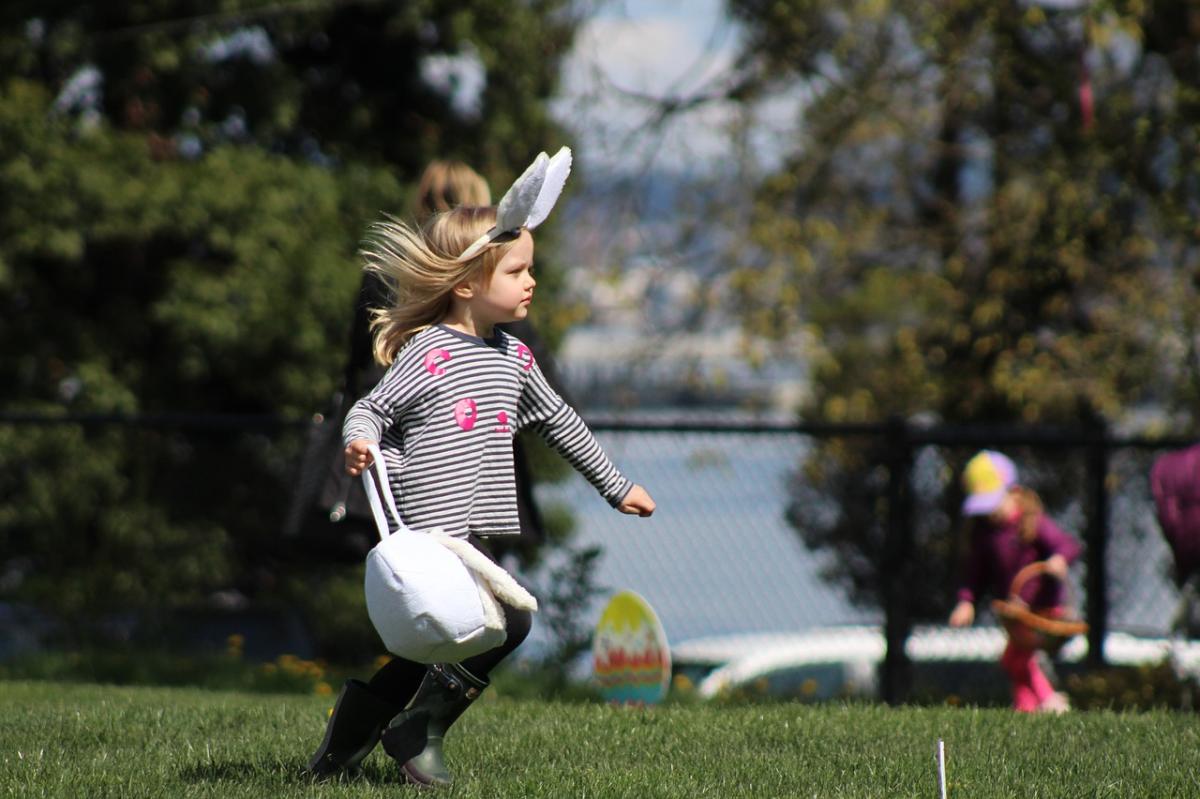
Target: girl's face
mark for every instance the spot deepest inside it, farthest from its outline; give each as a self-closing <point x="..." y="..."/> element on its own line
<point x="1006" y="510"/>
<point x="506" y="298"/>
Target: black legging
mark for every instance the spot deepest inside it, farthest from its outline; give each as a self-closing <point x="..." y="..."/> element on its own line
<point x="398" y="678"/>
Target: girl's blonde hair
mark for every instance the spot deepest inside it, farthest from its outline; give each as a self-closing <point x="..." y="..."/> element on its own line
<point x="420" y="269"/>
<point x="1031" y="512"/>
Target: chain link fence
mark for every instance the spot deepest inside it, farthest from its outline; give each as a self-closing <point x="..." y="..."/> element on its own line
<point x="757" y="557"/>
<point x="726" y="565"/>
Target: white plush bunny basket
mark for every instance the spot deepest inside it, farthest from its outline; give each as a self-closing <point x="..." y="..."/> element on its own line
<point x="432" y="597"/>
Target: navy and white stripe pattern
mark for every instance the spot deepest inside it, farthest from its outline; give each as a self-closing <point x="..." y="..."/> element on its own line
<point x="445" y="415"/>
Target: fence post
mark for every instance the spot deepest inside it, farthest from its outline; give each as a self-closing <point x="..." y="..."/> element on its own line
<point x="1097" y="544"/>
<point x="896" y="565"/>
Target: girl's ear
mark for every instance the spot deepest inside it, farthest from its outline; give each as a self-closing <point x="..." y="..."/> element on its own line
<point x="464" y="291"/>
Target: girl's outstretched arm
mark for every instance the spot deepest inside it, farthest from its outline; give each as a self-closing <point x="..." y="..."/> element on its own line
<point x="541" y="408"/>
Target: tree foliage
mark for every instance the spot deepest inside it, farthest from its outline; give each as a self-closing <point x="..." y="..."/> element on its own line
<point x="182" y="191"/>
<point x="384" y="82"/>
<point x="990" y="216"/>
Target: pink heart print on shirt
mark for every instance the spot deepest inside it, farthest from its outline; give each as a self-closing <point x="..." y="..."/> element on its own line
<point x="526" y="356"/>
<point x="432" y="358"/>
<point x="502" y="422"/>
<point x="464" y="413"/>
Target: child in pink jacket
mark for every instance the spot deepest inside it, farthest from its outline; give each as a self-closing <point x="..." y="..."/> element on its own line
<point x="1009" y="531"/>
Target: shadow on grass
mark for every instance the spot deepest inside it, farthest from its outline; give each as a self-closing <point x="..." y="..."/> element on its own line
<point x="290" y="771"/>
<point x="239" y="771"/>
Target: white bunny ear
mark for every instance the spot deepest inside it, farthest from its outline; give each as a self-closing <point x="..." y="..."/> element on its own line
<point x="556" y="178"/>
<point x="529" y="200"/>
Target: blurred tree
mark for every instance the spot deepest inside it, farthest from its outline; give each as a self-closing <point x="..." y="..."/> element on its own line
<point x="182" y="191"/>
<point x="399" y="83"/>
<point x="990" y="216"/>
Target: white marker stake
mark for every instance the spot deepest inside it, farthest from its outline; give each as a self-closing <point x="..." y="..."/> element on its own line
<point x="941" y="768"/>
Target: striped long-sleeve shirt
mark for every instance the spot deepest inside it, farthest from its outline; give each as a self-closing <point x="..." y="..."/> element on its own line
<point x="445" y="414"/>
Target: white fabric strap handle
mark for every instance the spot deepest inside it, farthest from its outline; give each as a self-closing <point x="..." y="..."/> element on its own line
<point x="384" y="488"/>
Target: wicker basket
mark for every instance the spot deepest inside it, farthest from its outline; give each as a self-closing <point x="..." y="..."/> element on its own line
<point x="1034" y="629"/>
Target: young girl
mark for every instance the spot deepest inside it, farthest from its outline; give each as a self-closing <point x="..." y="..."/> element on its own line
<point x="443" y="186"/>
<point x="1008" y="532"/>
<point x="456" y="391"/>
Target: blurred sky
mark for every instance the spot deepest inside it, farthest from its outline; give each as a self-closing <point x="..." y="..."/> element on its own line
<point x="636" y="51"/>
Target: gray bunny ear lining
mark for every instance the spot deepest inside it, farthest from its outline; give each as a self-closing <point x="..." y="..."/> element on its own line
<point x="518" y="201"/>
<point x="524" y="200"/>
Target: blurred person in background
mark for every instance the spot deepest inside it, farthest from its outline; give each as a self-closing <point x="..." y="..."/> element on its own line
<point x="1175" y="486"/>
<point x="1008" y="531"/>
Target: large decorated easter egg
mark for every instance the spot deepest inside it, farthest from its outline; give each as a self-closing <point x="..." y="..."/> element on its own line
<point x="630" y="657"/>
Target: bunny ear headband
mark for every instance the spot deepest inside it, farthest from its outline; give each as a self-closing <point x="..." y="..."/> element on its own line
<point x="529" y="201"/>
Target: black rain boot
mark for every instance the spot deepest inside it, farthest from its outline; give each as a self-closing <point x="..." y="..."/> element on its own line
<point x="414" y="738"/>
<point x="354" y="726"/>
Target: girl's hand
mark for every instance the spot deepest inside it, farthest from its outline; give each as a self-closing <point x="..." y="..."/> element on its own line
<point x="358" y="456"/>
<point x="637" y="502"/>
<point x="962" y="615"/>
<point x="1057" y="566"/>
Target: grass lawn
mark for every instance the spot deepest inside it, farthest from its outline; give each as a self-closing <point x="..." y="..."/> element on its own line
<point x="71" y="740"/>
